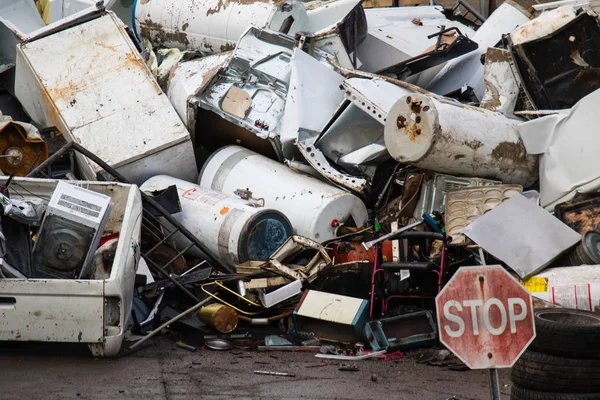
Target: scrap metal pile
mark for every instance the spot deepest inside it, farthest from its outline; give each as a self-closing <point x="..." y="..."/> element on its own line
<point x="315" y="166"/>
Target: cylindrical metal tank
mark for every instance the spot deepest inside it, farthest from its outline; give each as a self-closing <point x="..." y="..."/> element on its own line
<point x="314" y="208"/>
<point x="445" y="136"/>
<point x="230" y="227"/>
<point x="212" y="26"/>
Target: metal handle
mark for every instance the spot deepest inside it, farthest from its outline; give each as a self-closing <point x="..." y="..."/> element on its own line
<point x="368" y="245"/>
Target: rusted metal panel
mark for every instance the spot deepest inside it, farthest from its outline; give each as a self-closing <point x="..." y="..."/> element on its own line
<point x="87" y="92"/>
<point x="582" y="215"/>
<point x="485" y="317"/>
<point x="442" y="135"/>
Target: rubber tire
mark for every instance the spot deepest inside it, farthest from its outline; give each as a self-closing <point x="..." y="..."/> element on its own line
<point x="564" y="332"/>
<point x="518" y="393"/>
<point x="546" y="373"/>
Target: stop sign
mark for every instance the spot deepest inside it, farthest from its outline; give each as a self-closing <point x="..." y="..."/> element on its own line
<point x="485" y="317"/>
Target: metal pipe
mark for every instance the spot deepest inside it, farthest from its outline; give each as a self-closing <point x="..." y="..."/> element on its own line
<point x="51" y="160"/>
<point x="368" y="245"/>
<point x="169" y="322"/>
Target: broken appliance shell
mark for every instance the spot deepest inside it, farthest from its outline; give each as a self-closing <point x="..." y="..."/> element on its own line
<point x="244" y="103"/>
<point x="98" y="92"/>
<point x="89" y="311"/>
<point x="314" y="208"/>
<point x="562" y="67"/>
<point x="233" y="229"/>
<point x="445" y="136"/>
<point x="212" y="26"/>
<point x="396" y="34"/>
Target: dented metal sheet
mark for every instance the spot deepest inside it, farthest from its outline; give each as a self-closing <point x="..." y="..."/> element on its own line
<point x="354" y="141"/>
<point x="342" y="36"/>
<point x="442" y="135"/>
<point x="213" y="26"/>
<point x="87" y="91"/>
<point x="568" y="147"/>
<point x="51" y="311"/>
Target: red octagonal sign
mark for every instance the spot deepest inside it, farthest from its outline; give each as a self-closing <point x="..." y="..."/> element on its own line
<point x="485" y="317"/>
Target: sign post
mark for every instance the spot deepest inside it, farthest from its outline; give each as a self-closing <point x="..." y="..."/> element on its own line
<point x="485" y="317"/>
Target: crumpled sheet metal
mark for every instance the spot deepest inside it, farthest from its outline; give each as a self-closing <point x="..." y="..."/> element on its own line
<point x="568" y="145"/>
<point x="251" y="90"/>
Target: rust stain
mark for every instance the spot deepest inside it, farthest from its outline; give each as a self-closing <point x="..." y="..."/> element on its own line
<point x="111" y="48"/>
<point x="401" y="122"/>
<point x="158" y="33"/>
<point x="512" y="153"/>
<point x="415" y="106"/>
<point x="473" y="144"/>
<point x="227" y="47"/>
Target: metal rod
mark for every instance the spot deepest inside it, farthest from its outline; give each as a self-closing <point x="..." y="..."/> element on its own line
<point x="169" y="322"/>
<point x="368" y="245"/>
<point x="169" y="277"/>
<point x="472" y="10"/>
<point x="494" y="384"/>
<point x="165" y="214"/>
<point x="51" y="160"/>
